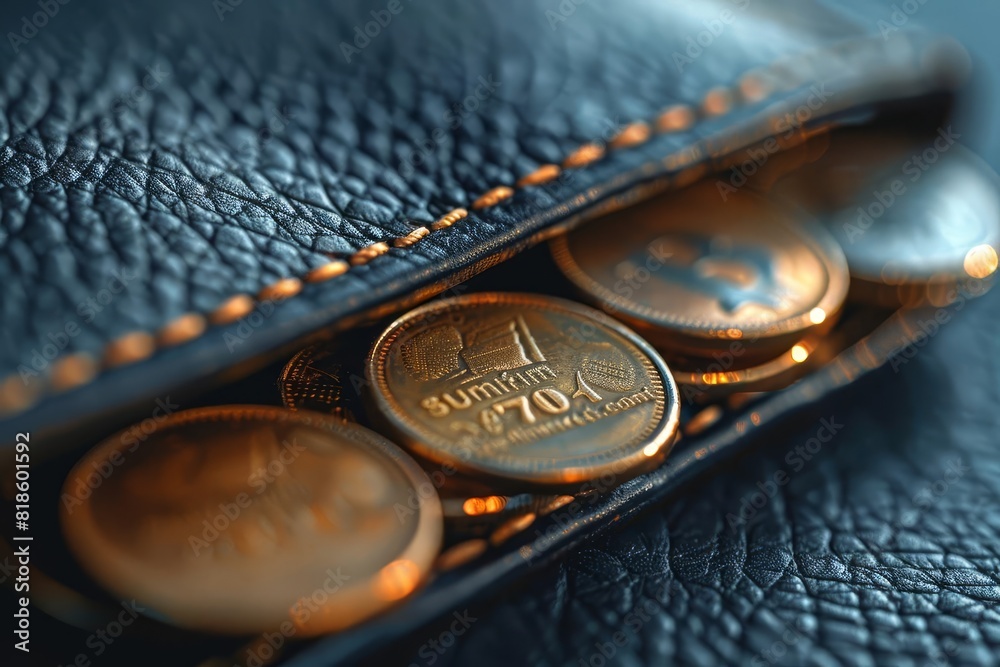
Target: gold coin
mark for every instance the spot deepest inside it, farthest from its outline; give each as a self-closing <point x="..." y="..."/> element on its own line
<point x="694" y="273"/>
<point x="709" y="379"/>
<point x="524" y="388"/>
<point x="243" y="519"/>
<point x="314" y="380"/>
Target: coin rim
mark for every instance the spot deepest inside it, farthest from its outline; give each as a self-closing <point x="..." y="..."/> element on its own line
<point x="663" y="434"/>
<point x="422" y="549"/>
<point x="820" y="241"/>
<point x="769" y="375"/>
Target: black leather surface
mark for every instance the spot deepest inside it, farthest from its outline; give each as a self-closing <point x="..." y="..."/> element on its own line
<point x="209" y="153"/>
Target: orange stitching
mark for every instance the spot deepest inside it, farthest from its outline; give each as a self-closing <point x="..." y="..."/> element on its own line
<point x="753" y="87"/>
<point x="184" y="328"/>
<point x="450" y="219"/>
<point x="676" y="118"/>
<point x="327" y="271"/>
<point x="232" y="309"/>
<point x="493" y="197"/>
<point x="16" y="394"/>
<point x="544" y="174"/>
<point x="583" y="156"/>
<point x="79" y="368"/>
<point x="717" y="101"/>
<point x="283" y="289"/>
<point x="127" y="349"/>
<point x="632" y="135"/>
<point x="411" y="238"/>
<point x="369" y="253"/>
<point x="73" y="370"/>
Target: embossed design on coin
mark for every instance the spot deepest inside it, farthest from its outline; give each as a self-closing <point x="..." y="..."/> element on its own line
<point x="607" y="368"/>
<point x="434" y="353"/>
<point x="239" y="519"/>
<point x="734" y="274"/>
<point x="694" y="274"/>
<point x="442" y="352"/>
<point x="313" y="380"/>
<point x="542" y="391"/>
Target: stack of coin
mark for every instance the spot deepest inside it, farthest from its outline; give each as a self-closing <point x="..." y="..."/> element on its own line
<point x="508" y="401"/>
<point x="735" y="290"/>
<point x="244" y="519"/>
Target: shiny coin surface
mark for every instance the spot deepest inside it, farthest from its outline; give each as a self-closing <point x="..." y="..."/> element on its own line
<point x="709" y="379"/>
<point x="243" y="519"/>
<point x="925" y="233"/>
<point x="524" y="388"/>
<point x="693" y="273"/>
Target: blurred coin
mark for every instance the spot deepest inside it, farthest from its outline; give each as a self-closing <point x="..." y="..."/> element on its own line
<point x="853" y="158"/>
<point x="926" y="233"/>
<point x="524" y="388"/>
<point x="694" y="273"/>
<point x="243" y="519"/>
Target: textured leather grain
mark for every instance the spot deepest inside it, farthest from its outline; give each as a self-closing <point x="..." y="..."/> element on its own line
<point x="200" y="151"/>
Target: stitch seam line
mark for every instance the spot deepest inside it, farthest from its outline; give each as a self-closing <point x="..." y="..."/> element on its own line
<point x="79" y="368"/>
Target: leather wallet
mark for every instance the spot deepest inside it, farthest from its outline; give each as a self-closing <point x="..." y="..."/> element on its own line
<point x="191" y="192"/>
<point x="203" y="192"/>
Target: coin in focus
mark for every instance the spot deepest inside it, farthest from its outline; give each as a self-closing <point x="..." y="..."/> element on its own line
<point x="240" y="519"/>
<point x="314" y="380"/>
<point x="694" y="273"/>
<point x="524" y="388"/>
<point x="926" y="233"/>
